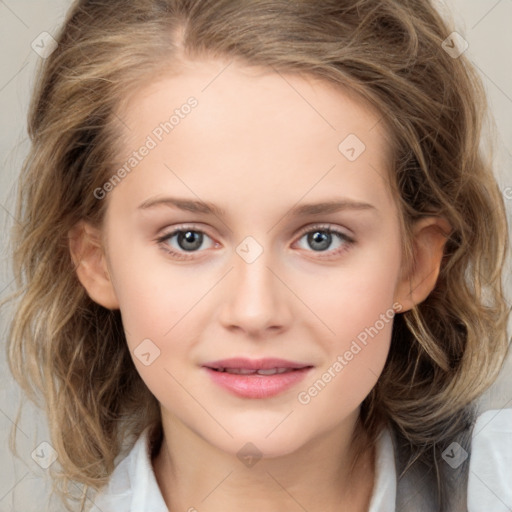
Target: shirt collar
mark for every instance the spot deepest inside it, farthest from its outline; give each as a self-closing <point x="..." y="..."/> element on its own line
<point x="384" y="487"/>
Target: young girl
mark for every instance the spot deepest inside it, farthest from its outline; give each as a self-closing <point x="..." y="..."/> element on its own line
<point x="260" y="260"/>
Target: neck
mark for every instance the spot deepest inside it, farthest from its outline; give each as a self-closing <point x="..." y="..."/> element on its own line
<point x="331" y="473"/>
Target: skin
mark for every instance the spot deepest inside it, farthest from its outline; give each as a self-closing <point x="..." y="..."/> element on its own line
<point x="257" y="144"/>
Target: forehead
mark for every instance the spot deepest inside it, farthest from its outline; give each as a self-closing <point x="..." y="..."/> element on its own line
<point x="255" y="128"/>
<point x="222" y="87"/>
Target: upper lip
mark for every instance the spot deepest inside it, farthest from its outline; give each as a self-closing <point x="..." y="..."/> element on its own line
<point x="255" y="364"/>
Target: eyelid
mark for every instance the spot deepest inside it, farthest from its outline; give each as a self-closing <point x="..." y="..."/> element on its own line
<point x="325" y="227"/>
<point x="167" y="232"/>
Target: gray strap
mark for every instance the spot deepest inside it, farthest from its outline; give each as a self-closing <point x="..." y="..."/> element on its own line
<point x="417" y="488"/>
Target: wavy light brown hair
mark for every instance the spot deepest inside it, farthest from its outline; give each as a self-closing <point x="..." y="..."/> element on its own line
<point x="71" y="351"/>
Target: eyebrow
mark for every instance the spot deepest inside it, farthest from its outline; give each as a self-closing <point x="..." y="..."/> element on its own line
<point x="325" y="207"/>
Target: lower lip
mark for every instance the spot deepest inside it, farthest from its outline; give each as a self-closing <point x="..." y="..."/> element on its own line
<point x="257" y="386"/>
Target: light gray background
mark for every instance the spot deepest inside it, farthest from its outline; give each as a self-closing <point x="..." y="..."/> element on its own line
<point x="485" y="24"/>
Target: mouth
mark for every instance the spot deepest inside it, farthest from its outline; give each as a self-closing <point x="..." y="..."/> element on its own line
<point x="272" y="364"/>
<point x="261" y="378"/>
<point x="261" y="371"/>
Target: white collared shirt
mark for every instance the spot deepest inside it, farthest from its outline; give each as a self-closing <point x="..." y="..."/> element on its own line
<point x="133" y="486"/>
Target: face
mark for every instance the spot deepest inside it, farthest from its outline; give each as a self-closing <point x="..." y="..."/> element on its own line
<point x="257" y="277"/>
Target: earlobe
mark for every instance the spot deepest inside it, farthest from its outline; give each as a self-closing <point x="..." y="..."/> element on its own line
<point x="430" y="236"/>
<point x="88" y="256"/>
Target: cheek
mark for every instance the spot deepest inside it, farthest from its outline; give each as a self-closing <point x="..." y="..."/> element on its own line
<point x="153" y="293"/>
<point x="355" y="354"/>
<point x="354" y="296"/>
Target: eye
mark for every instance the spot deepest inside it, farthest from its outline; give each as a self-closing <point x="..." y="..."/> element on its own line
<point x="320" y="238"/>
<point x="188" y="239"/>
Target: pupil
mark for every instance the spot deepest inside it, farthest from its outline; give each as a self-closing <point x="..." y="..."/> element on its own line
<point x="319" y="237"/>
<point x="190" y="237"/>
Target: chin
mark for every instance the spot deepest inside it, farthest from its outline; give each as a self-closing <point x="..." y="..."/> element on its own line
<point x="268" y="442"/>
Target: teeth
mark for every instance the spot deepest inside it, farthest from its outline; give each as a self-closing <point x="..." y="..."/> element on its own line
<point x="244" y="371"/>
<point x="270" y="371"/>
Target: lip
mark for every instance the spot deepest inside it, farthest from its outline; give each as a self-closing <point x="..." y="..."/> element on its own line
<point x="255" y="364"/>
<point x="255" y="385"/>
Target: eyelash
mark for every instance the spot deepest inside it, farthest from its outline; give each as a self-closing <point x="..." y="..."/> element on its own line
<point x="348" y="242"/>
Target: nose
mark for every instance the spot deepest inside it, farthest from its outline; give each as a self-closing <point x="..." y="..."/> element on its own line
<point x="257" y="298"/>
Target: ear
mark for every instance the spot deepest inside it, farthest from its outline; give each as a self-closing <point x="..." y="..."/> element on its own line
<point x="429" y="238"/>
<point x="88" y="255"/>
